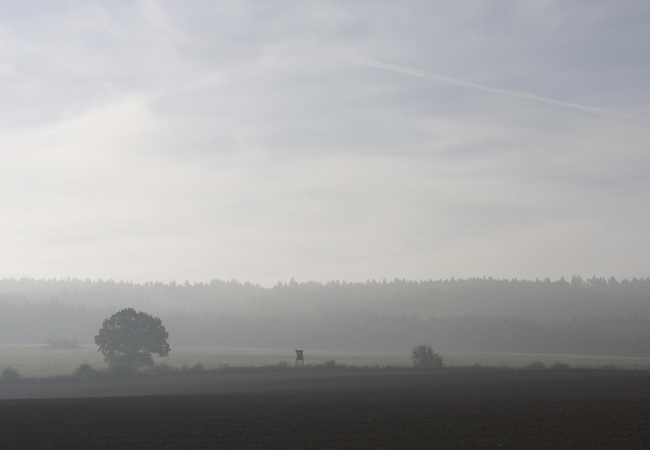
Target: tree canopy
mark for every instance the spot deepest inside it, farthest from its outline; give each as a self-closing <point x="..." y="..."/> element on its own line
<point x="423" y="357"/>
<point x="130" y="338"/>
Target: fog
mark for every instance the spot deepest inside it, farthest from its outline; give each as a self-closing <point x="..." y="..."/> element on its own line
<point x="579" y="316"/>
<point x="329" y="158"/>
<point x="154" y="140"/>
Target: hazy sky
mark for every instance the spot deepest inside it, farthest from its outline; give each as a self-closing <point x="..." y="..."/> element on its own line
<point x="258" y="140"/>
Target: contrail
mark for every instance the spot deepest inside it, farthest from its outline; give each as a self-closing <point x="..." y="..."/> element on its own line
<point x="478" y="87"/>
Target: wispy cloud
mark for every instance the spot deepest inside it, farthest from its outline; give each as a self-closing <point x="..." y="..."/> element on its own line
<point x="159" y="140"/>
<point x="492" y="90"/>
<point x="162" y="21"/>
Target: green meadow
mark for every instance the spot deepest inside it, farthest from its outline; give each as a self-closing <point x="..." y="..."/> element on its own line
<point x="36" y="360"/>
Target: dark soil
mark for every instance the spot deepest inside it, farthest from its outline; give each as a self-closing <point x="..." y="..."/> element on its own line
<point x="548" y="409"/>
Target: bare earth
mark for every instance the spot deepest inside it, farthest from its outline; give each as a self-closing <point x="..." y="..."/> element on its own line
<point x="340" y="410"/>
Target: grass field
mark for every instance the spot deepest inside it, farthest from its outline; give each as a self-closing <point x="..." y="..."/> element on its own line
<point x="36" y="360"/>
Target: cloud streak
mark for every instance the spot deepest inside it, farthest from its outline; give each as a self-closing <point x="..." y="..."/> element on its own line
<point x="155" y="140"/>
<point x="505" y="92"/>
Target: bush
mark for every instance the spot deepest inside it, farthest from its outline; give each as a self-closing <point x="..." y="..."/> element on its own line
<point x="10" y="375"/>
<point x="85" y="371"/>
<point x="424" y="358"/>
<point x="536" y="365"/>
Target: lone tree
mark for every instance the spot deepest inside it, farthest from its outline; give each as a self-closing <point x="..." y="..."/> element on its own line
<point x="423" y="357"/>
<point x="130" y="338"/>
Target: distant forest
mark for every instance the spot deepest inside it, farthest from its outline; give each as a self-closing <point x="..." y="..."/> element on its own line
<point x="595" y="316"/>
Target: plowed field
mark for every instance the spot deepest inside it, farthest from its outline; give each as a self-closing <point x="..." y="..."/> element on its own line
<point x="504" y="409"/>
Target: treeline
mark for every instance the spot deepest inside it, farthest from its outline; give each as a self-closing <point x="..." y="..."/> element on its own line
<point x="539" y="299"/>
<point x="594" y="316"/>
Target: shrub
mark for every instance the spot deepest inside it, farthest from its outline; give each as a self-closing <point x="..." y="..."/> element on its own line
<point x="85" y="371"/>
<point x="424" y="358"/>
<point x="557" y="365"/>
<point x="536" y="365"/>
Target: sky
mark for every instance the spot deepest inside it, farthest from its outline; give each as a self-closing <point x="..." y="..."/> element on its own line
<point x="324" y="140"/>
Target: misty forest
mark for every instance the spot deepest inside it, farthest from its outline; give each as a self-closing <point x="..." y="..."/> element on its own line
<point x="594" y="316"/>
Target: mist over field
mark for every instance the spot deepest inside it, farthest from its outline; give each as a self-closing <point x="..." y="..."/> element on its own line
<point x="594" y="316"/>
<point x="434" y="200"/>
<point x="289" y="145"/>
